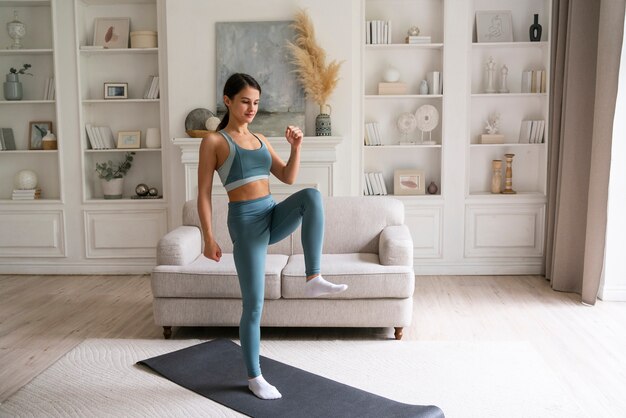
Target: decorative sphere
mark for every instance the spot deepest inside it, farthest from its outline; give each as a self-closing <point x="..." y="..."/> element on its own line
<point x="391" y="75"/>
<point x="25" y="180"/>
<point x="212" y="122"/>
<point x="413" y="31"/>
<point x="153" y="191"/>
<point x="141" y="189"/>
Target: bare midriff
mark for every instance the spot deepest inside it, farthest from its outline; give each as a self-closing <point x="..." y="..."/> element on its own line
<point x="249" y="191"/>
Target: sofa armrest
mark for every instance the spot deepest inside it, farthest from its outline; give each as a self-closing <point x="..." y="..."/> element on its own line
<point x="395" y="247"/>
<point x="180" y="246"/>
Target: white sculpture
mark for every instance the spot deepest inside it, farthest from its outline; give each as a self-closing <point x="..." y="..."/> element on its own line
<point x="503" y="74"/>
<point x="491" y="69"/>
<point x="427" y="119"/>
<point x="406" y="124"/>
<point x="493" y="123"/>
<point x="25" y="180"/>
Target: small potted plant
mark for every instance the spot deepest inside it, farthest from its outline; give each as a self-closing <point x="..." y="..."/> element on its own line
<point x="112" y="176"/>
<point x="12" y="85"/>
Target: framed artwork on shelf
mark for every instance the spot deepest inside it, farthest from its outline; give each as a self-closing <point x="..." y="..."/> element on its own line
<point x="128" y="139"/>
<point x="111" y="32"/>
<point x="116" y="91"/>
<point x="494" y="26"/>
<point x="409" y="182"/>
<point x="37" y="130"/>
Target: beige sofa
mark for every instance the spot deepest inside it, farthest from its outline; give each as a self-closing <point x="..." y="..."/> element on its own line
<point x="366" y="246"/>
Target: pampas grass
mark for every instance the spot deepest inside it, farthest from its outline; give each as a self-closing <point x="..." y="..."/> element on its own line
<point x="318" y="79"/>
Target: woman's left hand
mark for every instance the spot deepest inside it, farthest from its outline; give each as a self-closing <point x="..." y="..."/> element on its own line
<point x="294" y="135"/>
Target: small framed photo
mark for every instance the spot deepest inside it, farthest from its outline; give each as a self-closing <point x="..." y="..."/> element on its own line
<point x="116" y="90"/>
<point x="37" y="130"/>
<point x="128" y="139"/>
<point x="111" y="32"/>
<point x="494" y="26"/>
<point x="409" y="182"/>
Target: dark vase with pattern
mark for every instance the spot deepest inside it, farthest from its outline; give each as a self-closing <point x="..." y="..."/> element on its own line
<point x="535" y="30"/>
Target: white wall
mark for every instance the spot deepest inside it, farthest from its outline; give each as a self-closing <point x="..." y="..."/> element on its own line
<point x="192" y="77"/>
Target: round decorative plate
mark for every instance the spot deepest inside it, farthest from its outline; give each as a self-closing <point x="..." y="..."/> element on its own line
<point x="427" y="118"/>
<point x="196" y="119"/>
<point x="406" y="123"/>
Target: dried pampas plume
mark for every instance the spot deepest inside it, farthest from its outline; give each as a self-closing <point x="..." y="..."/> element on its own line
<point x="318" y="79"/>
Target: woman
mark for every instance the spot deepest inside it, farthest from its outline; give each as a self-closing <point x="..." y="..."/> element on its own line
<point x="243" y="161"/>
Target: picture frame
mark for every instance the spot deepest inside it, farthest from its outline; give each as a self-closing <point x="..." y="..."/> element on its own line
<point x="129" y="139"/>
<point x="36" y="131"/>
<point x="494" y="26"/>
<point x="409" y="182"/>
<point x="115" y="91"/>
<point x="111" y="32"/>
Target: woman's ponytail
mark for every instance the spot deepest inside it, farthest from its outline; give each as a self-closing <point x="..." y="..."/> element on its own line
<point x="223" y="122"/>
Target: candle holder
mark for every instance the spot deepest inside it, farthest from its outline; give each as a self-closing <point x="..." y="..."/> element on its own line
<point x="508" y="183"/>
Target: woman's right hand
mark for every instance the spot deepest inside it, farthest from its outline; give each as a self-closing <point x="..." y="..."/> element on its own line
<point x="212" y="250"/>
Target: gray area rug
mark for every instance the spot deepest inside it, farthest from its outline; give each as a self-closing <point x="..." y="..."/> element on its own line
<point x="99" y="378"/>
<point x="215" y="369"/>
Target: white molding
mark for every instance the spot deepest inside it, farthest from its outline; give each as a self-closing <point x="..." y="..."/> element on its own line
<point x="613" y="294"/>
<point x="144" y="266"/>
<point x="29" y="225"/>
<point x="422" y="267"/>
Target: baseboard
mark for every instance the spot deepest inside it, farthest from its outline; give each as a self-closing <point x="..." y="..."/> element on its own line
<point x="613" y="294"/>
<point x="99" y="267"/>
<point x="423" y="268"/>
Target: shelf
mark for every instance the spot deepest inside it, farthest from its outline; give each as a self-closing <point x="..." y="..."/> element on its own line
<point x="28" y="202"/>
<point x="25" y="102"/>
<point x="114" y="2"/>
<point x="402" y="96"/>
<point x="540" y="144"/>
<point x="97" y="151"/>
<point x="30" y="151"/>
<point x="124" y="200"/>
<point x="395" y="147"/>
<point x="118" y="51"/>
<point x="118" y="101"/>
<point x="491" y="198"/>
<point x="477" y="45"/>
<point x="410" y="197"/>
<point x="25" y="51"/>
<point x="380" y="47"/>
<point x="509" y="95"/>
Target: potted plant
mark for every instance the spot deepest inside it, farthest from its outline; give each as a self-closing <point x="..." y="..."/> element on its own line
<point x="12" y="85"/>
<point x="112" y="176"/>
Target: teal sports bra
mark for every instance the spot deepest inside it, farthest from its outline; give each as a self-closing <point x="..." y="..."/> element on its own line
<point x="244" y="166"/>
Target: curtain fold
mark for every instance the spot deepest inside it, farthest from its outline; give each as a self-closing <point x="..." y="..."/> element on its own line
<point x="584" y="74"/>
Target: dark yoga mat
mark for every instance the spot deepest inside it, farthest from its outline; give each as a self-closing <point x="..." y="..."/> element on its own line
<point x="215" y="369"/>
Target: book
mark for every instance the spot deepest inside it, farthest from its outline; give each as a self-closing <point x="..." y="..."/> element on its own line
<point x="432" y="78"/>
<point x="374" y="183"/>
<point x="526" y="81"/>
<point x="377" y="137"/>
<point x="533" y="131"/>
<point x="46" y="89"/>
<point x="8" y="140"/>
<point x="368" y="184"/>
<point x="524" y="132"/>
<point x="381" y="179"/>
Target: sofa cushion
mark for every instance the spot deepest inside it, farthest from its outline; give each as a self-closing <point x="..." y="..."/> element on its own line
<point x="205" y="278"/>
<point x="362" y="272"/>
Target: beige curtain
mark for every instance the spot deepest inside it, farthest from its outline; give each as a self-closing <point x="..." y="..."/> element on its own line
<point x="586" y="41"/>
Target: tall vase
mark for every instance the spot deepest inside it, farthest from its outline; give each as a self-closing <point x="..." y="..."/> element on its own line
<point x="12" y="87"/>
<point x="535" y="30"/>
<point x="322" y="122"/>
<point x="496" y="177"/>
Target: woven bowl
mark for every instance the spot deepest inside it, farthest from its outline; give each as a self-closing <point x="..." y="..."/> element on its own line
<point x="197" y="133"/>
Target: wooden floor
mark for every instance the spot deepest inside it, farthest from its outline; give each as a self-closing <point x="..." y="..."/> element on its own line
<point x="43" y="317"/>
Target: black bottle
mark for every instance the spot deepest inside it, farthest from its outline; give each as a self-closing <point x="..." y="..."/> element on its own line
<point x="535" y="30"/>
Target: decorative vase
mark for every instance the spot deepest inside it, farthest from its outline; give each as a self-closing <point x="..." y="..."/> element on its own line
<point x="153" y="138"/>
<point x="535" y="30"/>
<point x="16" y="30"/>
<point x="423" y="87"/>
<point x="49" y="142"/>
<point x="112" y="189"/>
<point x="432" y="188"/>
<point x="496" y="177"/>
<point x="12" y="87"/>
<point x="322" y="122"/>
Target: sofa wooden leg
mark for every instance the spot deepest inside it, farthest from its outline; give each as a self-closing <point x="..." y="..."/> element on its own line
<point x="167" y="332"/>
<point x="398" y="333"/>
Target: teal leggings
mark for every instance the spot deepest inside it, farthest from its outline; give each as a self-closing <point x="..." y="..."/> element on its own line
<point x="255" y="224"/>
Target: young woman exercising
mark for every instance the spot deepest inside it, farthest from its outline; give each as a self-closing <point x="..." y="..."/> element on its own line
<point x="243" y="161"/>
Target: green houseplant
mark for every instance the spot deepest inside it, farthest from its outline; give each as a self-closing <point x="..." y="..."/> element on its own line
<point x="112" y="175"/>
<point x="12" y="85"/>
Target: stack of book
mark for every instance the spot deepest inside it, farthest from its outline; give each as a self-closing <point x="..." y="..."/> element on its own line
<point x="372" y="134"/>
<point x="532" y="131"/>
<point x="534" y="81"/>
<point x="100" y="137"/>
<point x="28" y="194"/>
<point x="374" y="184"/>
<point x="417" y="39"/>
<point x="152" y="88"/>
<point x="49" y="91"/>
<point x="7" y="141"/>
<point x="377" y="32"/>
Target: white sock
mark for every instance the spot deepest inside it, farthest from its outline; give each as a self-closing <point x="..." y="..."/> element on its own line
<point x="318" y="287"/>
<point x="262" y="389"/>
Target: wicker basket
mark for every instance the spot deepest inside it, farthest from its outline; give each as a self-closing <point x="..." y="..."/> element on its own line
<point x="197" y="133"/>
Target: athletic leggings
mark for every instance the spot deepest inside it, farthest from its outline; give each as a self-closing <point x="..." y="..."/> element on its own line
<point x="253" y="225"/>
